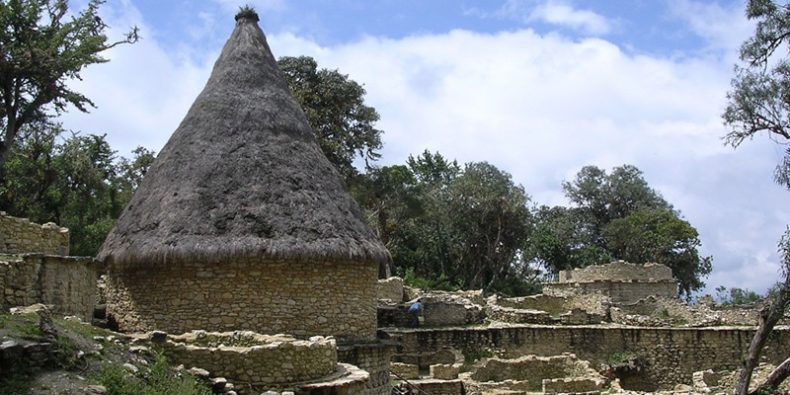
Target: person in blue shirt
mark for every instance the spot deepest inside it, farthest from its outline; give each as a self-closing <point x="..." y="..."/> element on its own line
<point x="414" y="313"/>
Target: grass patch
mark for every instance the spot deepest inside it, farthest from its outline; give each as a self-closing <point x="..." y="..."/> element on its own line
<point x="24" y="326"/>
<point x="620" y="358"/>
<point x="17" y="384"/>
<point x="161" y="379"/>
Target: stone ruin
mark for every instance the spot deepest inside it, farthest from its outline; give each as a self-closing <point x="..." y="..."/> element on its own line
<point x="616" y="327"/>
<point x="35" y="268"/>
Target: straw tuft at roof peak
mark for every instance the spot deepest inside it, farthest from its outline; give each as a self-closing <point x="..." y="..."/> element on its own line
<point x="247" y="13"/>
<point x="242" y="177"/>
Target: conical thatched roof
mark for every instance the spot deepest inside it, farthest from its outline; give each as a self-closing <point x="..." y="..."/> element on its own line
<point x="242" y="177"/>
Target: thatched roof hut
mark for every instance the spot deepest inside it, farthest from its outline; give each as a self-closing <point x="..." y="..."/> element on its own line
<point x="242" y="176"/>
<point x="240" y="192"/>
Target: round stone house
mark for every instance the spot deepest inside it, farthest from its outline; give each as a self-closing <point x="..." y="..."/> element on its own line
<point x="242" y="223"/>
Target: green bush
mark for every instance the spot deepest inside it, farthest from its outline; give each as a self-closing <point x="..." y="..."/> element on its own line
<point x="160" y="380"/>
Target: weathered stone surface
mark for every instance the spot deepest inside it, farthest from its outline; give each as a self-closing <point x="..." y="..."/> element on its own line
<point x="390" y="289"/>
<point x="445" y="371"/>
<point x="67" y="284"/>
<point x="300" y="298"/>
<point x="404" y="370"/>
<point x="536" y="370"/>
<point x="669" y="355"/>
<point x="248" y="357"/>
<point x="20" y="236"/>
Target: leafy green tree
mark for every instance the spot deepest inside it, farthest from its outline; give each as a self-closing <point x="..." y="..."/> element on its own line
<point x="659" y="235"/>
<point x="491" y="221"/>
<point x="604" y="197"/>
<point x="616" y="215"/>
<point x="759" y="102"/>
<point x="563" y="239"/>
<point x="78" y="183"/>
<point x="335" y="108"/>
<point x="41" y="49"/>
<point x="736" y="296"/>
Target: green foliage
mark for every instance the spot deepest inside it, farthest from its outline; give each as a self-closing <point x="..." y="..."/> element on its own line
<point x="656" y="235"/>
<point x="759" y="99"/>
<point x="78" y="183"/>
<point x="161" y="379"/>
<point x="622" y="358"/>
<point x="335" y="108"/>
<point x="448" y="227"/>
<point x="616" y="216"/>
<point x="43" y="46"/>
<point x="736" y="296"/>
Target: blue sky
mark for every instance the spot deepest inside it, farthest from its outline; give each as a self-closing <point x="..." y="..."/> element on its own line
<point x="539" y="88"/>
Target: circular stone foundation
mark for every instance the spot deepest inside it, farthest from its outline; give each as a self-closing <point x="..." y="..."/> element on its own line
<point x="254" y="359"/>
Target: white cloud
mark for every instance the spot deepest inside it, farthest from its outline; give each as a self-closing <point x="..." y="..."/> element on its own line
<point x="723" y="28"/>
<point x="553" y="12"/>
<point x="558" y="13"/>
<point x="540" y="107"/>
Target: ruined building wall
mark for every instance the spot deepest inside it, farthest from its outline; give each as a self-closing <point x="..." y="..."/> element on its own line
<point x="373" y="358"/>
<point x="617" y="271"/>
<point x="20" y="236"/>
<point x="618" y="291"/>
<point x="302" y="299"/>
<point x="67" y="283"/>
<point x="670" y="355"/>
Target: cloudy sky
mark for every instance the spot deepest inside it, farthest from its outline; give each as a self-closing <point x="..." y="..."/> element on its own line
<point x="539" y="88"/>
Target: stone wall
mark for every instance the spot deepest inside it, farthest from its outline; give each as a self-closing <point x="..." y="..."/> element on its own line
<point x="254" y="360"/>
<point x="617" y="271"/>
<point x="669" y="355"/>
<point x="534" y="370"/>
<point x="20" y="236"/>
<point x="617" y="291"/>
<point x="390" y="289"/>
<point x="555" y="305"/>
<point x="66" y="283"/>
<point x="373" y="358"/>
<point x="302" y="299"/>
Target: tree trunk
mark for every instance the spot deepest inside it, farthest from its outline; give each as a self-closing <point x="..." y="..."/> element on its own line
<point x="774" y="379"/>
<point x="769" y="316"/>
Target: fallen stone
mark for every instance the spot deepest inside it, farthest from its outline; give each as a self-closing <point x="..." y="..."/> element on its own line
<point x="131" y="368"/>
<point x="96" y="390"/>
<point x="198" y="372"/>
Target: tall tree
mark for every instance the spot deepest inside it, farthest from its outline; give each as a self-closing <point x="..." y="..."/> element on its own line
<point x="335" y="108"/>
<point x="616" y="215"/>
<point x="656" y="235"/>
<point x="759" y="102"/>
<point x="41" y="49"/>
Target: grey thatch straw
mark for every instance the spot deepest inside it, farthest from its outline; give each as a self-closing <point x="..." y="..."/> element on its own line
<point x="242" y="177"/>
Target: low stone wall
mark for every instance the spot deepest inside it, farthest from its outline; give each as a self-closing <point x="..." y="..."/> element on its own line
<point x="549" y="309"/>
<point x="534" y="370"/>
<point x="618" y="271"/>
<point x="390" y="289"/>
<point x="66" y="283"/>
<point x="669" y="355"/>
<point x="373" y="358"/>
<point x="439" y="309"/>
<point x="617" y="291"/>
<point x="302" y="299"/>
<point x="253" y="359"/>
<point x="20" y="236"/>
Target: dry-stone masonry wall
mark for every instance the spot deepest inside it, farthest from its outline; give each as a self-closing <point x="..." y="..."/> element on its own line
<point x="302" y="299"/>
<point x="669" y="355"/>
<point x="374" y="358"/>
<point x="254" y="360"/>
<point x="617" y="271"/>
<point x="66" y="283"/>
<point x="20" y="236"/>
<point x="622" y="282"/>
<point x="618" y="292"/>
<point x="534" y="370"/>
<point x="390" y="289"/>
